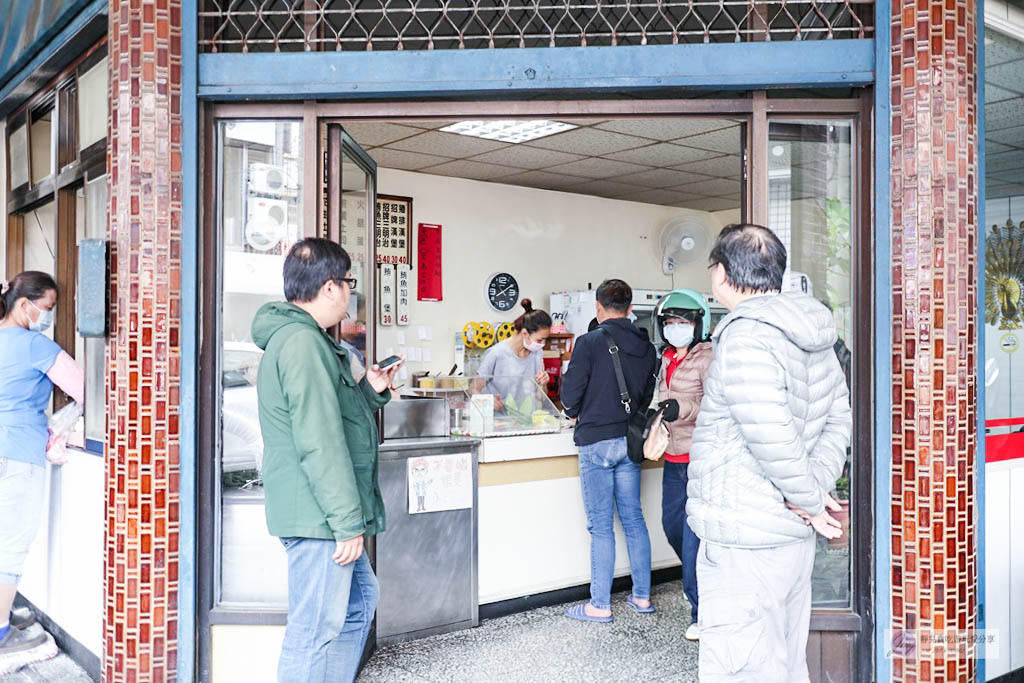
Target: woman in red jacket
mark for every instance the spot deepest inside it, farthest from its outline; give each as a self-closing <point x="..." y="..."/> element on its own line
<point x="684" y="322"/>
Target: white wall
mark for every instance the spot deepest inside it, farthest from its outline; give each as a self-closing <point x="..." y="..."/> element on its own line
<point x="1004" y="565"/>
<point x="550" y="241"/>
<point x="1004" y="483"/>
<point x="64" y="573"/>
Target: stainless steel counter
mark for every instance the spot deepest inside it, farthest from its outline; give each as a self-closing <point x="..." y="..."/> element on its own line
<point x="427" y="561"/>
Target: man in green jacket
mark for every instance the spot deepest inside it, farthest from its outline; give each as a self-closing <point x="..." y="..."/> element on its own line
<point x="320" y="464"/>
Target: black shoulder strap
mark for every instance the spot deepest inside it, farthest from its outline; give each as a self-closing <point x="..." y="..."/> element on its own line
<point x="613" y="349"/>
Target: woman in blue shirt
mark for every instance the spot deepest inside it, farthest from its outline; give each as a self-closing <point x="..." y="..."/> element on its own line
<point x="30" y="365"/>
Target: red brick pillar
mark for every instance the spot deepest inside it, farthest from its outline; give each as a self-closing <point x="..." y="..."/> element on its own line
<point x="934" y="345"/>
<point x="143" y="357"/>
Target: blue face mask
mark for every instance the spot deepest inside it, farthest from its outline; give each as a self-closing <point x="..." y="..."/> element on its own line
<point x="43" y="322"/>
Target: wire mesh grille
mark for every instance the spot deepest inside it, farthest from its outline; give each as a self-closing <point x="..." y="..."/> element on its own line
<point x="303" y="25"/>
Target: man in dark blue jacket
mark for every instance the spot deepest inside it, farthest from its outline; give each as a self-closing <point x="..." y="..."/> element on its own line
<point x="609" y="479"/>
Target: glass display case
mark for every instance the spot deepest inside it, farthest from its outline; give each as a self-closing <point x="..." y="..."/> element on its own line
<point x="498" y="405"/>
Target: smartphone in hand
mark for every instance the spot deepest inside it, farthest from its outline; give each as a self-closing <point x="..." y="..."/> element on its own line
<point x="388" y="362"/>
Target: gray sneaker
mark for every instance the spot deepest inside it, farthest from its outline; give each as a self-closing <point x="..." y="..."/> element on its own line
<point x="17" y="640"/>
<point x="22" y="618"/>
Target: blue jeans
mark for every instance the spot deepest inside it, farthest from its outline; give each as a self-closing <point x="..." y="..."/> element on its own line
<point x="330" y="610"/>
<point x="680" y="535"/>
<point x="610" y="481"/>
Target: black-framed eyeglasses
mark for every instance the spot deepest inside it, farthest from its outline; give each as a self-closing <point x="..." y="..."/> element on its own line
<point x="352" y="282"/>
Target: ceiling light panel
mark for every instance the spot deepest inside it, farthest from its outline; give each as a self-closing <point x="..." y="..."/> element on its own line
<point x="508" y="131"/>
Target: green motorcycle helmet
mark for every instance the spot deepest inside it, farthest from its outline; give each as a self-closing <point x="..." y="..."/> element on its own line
<point x="688" y="305"/>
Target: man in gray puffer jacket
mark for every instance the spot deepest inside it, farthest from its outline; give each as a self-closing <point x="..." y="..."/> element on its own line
<point x="770" y="443"/>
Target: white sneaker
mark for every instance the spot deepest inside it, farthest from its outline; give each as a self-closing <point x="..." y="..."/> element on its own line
<point x="693" y="632"/>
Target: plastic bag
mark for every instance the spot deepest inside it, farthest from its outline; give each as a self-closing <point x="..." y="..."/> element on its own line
<point x="60" y="424"/>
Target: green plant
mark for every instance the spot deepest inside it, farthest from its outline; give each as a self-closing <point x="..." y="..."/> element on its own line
<point x="838" y="248"/>
<point x="843" y="488"/>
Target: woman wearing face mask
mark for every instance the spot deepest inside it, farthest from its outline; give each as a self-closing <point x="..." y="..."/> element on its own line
<point x="521" y="355"/>
<point x="30" y="365"/>
<point x="684" y="322"/>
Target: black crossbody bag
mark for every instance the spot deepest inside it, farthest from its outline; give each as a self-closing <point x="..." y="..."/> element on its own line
<point x="636" y="417"/>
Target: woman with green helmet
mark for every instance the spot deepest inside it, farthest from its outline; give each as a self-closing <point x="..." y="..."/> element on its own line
<point x="683" y="321"/>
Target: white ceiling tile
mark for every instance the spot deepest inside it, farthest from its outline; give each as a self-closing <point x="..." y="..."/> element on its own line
<point x="666" y="197"/>
<point x="660" y="154"/>
<point x="665" y="129"/>
<point x="541" y="179"/>
<point x="727" y="166"/>
<point x="592" y="141"/>
<point x="712" y="188"/>
<point x="376" y="133"/>
<point x="995" y="148"/>
<point x="474" y="170"/>
<point x="1000" y="48"/>
<point x="447" y="144"/>
<point x="429" y="125"/>
<point x="662" y="177"/>
<point x="1009" y="76"/>
<point x="597" y="168"/>
<point x="604" y="188"/>
<point x="407" y="161"/>
<point x="522" y="156"/>
<point x="713" y="204"/>
<point x="993" y="93"/>
<point x="725" y="141"/>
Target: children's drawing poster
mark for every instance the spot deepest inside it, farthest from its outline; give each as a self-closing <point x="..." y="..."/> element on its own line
<point x="440" y="482"/>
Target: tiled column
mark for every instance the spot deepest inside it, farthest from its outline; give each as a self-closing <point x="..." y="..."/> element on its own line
<point x="143" y="362"/>
<point x="934" y="349"/>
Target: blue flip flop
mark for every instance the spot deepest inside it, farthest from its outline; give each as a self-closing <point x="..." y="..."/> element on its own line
<point x="631" y="601"/>
<point x="578" y="612"/>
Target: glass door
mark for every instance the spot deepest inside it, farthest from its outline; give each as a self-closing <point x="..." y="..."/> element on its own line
<point x="805" y="171"/>
<point x="348" y="196"/>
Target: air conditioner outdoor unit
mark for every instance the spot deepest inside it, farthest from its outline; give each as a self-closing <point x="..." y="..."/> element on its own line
<point x="267" y="223"/>
<point x="269" y="179"/>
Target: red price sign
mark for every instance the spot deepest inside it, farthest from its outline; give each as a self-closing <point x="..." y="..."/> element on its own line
<point x="429" y="275"/>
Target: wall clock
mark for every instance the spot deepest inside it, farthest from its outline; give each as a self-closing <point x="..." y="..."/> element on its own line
<point x="502" y="292"/>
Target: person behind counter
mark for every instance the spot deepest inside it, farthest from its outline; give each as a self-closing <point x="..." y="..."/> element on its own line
<point x="30" y="365"/>
<point x="320" y="464"/>
<point x="520" y="356"/>
<point x="684" y="321"/>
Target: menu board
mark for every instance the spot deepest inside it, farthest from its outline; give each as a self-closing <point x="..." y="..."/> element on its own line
<point x="393" y="229"/>
<point x="386" y="294"/>
<point x="404" y="287"/>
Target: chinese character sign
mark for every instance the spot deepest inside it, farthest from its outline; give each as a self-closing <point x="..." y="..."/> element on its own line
<point x="386" y="294"/>
<point x="429" y="277"/>
<point x="393" y="229"/>
<point x="404" y="288"/>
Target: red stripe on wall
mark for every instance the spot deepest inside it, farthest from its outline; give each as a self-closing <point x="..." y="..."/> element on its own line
<point x="1008" y="422"/>
<point x="1004" y="447"/>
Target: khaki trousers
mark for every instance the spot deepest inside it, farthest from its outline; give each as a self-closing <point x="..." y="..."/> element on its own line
<point x="755" y="612"/>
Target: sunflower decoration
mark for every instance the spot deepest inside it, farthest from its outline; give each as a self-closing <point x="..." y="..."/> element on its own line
<point x="478" y="335"/>
<point x="1004" y="277"/>
<point x="506" y="330"/>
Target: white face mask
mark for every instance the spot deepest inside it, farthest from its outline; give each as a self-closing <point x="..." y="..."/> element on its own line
<point x="679" y="335"/>
<point x="533" y="346"/>
<point x="43" y="322"/>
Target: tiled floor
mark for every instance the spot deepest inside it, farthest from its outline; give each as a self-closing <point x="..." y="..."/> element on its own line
<point x="542" y="646"/>
<point x="59" y="669"/>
